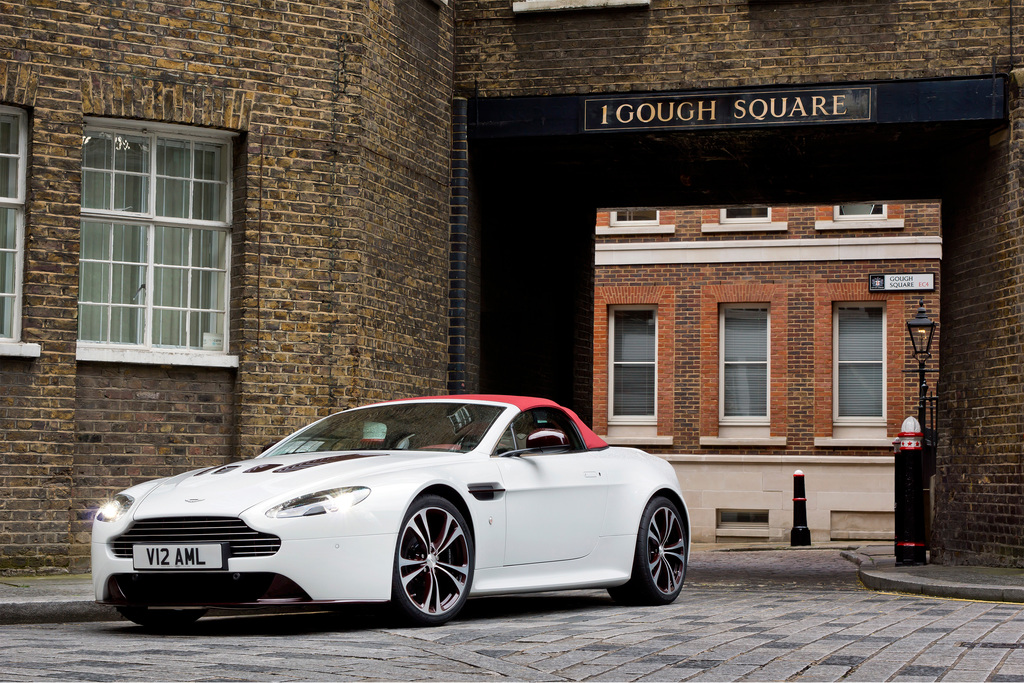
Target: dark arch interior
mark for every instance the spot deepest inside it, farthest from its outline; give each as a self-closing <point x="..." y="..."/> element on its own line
<point x="534" y="203"/>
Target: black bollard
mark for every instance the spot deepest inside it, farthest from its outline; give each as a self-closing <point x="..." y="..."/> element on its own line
<point x="800" y="535"/>
<point x="910" y="544"/>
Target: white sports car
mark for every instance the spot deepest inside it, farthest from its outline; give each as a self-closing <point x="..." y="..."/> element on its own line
<point x="420" y="503"/>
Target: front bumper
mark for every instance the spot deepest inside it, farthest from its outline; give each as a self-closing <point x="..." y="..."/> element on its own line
<point x="325" y="570"/>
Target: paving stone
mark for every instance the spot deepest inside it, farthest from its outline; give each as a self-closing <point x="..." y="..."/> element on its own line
<point x="717" y="633"/>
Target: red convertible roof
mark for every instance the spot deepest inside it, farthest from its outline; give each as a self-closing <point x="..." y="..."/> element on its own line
<point x="592" y="440"/>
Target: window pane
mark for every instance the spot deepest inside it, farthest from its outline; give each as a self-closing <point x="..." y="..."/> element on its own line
<point x="207" y="331"/>
<point x="125" y="325"/>
<point x="208" y="165"/>
<point x="95" y="240"/>
<point x="209" y="249"/>
<point x="746" y="390"/>
<point x="6" y="316"/>
<point x="172" y="198"/>
<point x="129" y="243"/>
<point x="169" y="287"/>
<point x="98" y="151"/>
<point x="206" y="202"/>
<point x="634" y="336"/>
<point x="8" y="222"/>
<point x="627" y="215"/>
<point x="131" y="153"/>
<point x="92" y="323"/>
<point x="634" y="390"/>
<point x="746" y="335"/>
<point x="6" y="272"/>
<point x="168" y="328"/>
<point x="96" y="187"/>
<point x="10" y="133"/>
<point x="126" y="283"/>
<point x="747" y="212"/>
<point x="9" y="177"/>
<point x="171" y="246"/>
<point x="131" y="193"/>
<point x="860" y="334"/>
<point x="860" y="390"/>
<point x="861" y="209"/>
<point x="743" y="517"/>
<point x="207" y="289"/>
<point x="94" y="282"/>
<point x="172" y="158"/>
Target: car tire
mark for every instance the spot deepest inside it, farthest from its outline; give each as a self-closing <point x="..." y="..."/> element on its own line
<point x="659" y="558"/>
<point x="161" y="619"/>
<point x="433" y="567"/>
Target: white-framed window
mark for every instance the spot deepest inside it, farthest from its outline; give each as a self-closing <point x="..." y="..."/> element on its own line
<point x="745" y="219"/>
<point x="13" y="163"/>
<point x="628" y="218"/>
<point x="860" y="216"/>
<point x="634" y="222"/>
<point x="746" y="214"/>
<point x="860" y="212"/>
<point x="744" y="364"/>
<point x="155" y="239"/>
<point x="858" y="368"/>
<point x="633" y="336"/>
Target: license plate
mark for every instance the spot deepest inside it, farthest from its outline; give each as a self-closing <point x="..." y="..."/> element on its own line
<point x="202" y="556"/>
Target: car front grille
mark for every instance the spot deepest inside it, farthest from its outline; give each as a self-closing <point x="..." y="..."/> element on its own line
<point x="243" y="540"/>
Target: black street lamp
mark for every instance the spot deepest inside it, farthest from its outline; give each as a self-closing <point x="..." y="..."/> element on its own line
<point x="921" y="329"/>
<point x="910" y="464"/>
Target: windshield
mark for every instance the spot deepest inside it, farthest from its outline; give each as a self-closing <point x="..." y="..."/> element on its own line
<point x="434" y="426"/>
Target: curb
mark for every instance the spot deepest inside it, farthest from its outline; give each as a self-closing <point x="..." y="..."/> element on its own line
<point x="55" y="611"/>
<point x="904" y="583"/>
<point x="922" y="580"/>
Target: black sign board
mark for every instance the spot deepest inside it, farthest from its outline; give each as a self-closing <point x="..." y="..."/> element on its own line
<point x="919" y="101"/>
<point x="744" y="108"/>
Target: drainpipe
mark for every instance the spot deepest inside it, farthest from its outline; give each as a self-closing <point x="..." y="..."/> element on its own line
<point x="458" y="248"/>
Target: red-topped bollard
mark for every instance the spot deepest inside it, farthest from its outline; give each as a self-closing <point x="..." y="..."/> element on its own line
<point x="800" y="535"/>
<point x="910" y="545"/>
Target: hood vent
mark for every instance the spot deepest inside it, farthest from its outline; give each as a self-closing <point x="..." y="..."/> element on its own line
<point x="263" y="468"/>
<point x="320" y="461"/>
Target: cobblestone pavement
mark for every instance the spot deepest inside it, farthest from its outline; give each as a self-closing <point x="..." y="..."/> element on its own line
<point x="752" y="616"/>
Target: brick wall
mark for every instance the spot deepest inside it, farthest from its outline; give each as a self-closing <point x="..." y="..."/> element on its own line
<point x="685" y="44"/>
<point x="980" y="483"/>
<point x="800" y="296"/>
<point x="339" y="236"/>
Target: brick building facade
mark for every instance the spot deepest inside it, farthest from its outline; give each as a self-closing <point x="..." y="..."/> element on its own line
<point x="771" y="353"/>
<point x="295" y="163"/>
<point x="315" y="140"/>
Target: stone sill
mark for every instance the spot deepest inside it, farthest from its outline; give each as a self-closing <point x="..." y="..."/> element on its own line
<point x="104" y="354"/>
<point x="524" y="6"/>
<point x="638" y="440"/>
<point x="20" y="350"/>
<point x="880" y="224"/>
<point x="779" y="441"/>
<point x="636" y="229"/>
<point x="829" y="442"/>
<point x="749" y="226"/>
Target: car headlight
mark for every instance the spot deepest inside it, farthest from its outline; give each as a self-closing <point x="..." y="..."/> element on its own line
<point x="321" y="502"/>
<point x="113" y="509"/>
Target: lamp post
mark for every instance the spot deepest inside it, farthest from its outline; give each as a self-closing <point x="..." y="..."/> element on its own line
<point x="916" y="440"/>
<point x="921" y="330"/>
